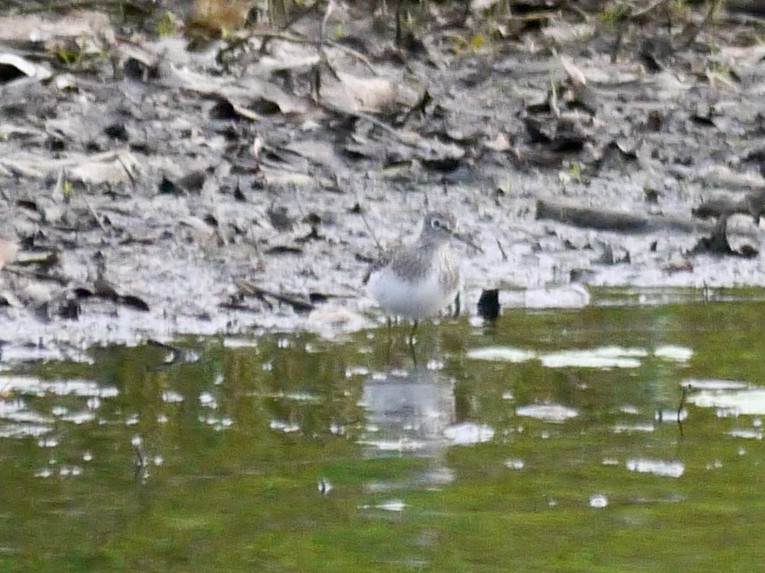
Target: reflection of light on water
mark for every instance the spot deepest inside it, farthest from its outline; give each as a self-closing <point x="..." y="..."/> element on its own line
<point x="670" y="415"/>
<point x="390" y="505"/>
<point x="679" y="354"/>
<point x="223" y="423"/>
<point x="285" y="427"/>
<point x="18" y="353"/>
<point x="626" y="428"/>
<point x="501" y="354"/>
<point x="231" y="342"/>
<point x="713" y="384"/>
<point x="731" y="403"/>
<point x="598" y="501"/>
<point x="748" y="434"/>
<point x="402" y="445"/>
<point x="171" y="397"/>
<point x="208" y="400"/>
<point x="16" y="410"/>
<point x="35" y="386"/>
<point x="547" y="412"/>
<point x="356" y="371"/>
<point x="19" y="430"/>
<point x="24" y="422"/>
<point x="469" y="433"/>
<point x="604" y="357"/>
<point x="656" y="467"/>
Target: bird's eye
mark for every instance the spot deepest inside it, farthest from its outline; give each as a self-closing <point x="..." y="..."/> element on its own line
<point x="436" y="224"/>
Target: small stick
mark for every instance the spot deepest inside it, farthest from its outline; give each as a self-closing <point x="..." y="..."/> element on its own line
<point x="95" y="215"/>
<point x="371" y="232"/>
<point x="501" y="250"/>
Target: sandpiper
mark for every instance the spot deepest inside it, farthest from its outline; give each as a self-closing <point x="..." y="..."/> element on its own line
<point x="417" y="280"/>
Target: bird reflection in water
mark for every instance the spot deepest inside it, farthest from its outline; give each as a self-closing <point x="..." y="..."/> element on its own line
<point x="407" y="413"/>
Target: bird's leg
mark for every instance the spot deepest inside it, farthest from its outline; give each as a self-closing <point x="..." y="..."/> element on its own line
<point x="457" y="305"/>
<point x="412" y="333"/>
<point x="413" y="351"/>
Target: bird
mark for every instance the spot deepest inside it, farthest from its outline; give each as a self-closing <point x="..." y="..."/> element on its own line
<point x="419" y="279"/>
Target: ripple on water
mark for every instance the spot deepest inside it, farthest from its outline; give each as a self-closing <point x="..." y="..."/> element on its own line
<point x="547" y="412"/>
<point x="627" y="428"/>
<point x="22" y="421"/>
<point x="734" y="403"/>
<point x="656" y="467"/>
<point x="285" y="427"/>
<point x="390" y="505"/>
<point x="604" y="357"/>
<point x="514" y="464"/>
<point x="501" y="354"/>
<point x="598" y="501"/>
<point x="713" y="384"/>
<point x="24" y="430"/>
<point x="749" y="434"/>
<point x="402" y="445"/>
<point x="679" y="354"/>
<point x="35" y="386"/>
<point x="469" y="433"/>
<point x="171" y="397"/>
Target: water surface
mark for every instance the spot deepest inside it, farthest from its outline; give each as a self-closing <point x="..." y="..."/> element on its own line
<point x="619" y="437"/>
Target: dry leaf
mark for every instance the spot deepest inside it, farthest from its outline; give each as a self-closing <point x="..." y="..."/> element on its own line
<point x="499" y="143"/>
<point x="574" y="73"/>
<point x="23" y="66"/>
<point x="724" y="177"/>
<point x="8" y="250"/>
<point x="22" y="29"/>
<point x="218" y="16"/>
<point x="237" y="92"/>
<point x="106" y="167"/>
<point x="354" y="93"/>
<point x="116" y="170"/>
<point x="281" y="178"/>
<point x="562" y="32"/>
<point x="35" y="293"/>
<point x="481" y="5"/>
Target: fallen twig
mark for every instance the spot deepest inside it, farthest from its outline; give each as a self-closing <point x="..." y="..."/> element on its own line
<point x="752" y="204"/>
<point x="609" y="220"/>
<point x="248" y="288"/>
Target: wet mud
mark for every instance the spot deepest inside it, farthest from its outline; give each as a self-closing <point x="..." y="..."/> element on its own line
<point x="148" y="191"/>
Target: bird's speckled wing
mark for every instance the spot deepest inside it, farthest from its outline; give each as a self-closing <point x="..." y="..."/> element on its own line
<point x="383" y="259"/>
<point x="414" y="262"/>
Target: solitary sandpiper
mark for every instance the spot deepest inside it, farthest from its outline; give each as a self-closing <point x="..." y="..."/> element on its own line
<point x="417" y="280"/>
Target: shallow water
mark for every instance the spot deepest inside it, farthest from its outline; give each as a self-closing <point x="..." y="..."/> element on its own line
<point x="554" y="440"/>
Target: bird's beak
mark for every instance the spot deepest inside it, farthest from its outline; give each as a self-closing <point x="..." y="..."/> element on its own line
<point x="465" y="239"/>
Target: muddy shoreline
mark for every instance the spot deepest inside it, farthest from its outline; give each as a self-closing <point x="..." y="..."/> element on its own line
<point x="141" y="189"/>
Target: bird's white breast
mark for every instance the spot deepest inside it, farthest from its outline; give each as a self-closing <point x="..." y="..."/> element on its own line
<point x="409" y="299"/>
